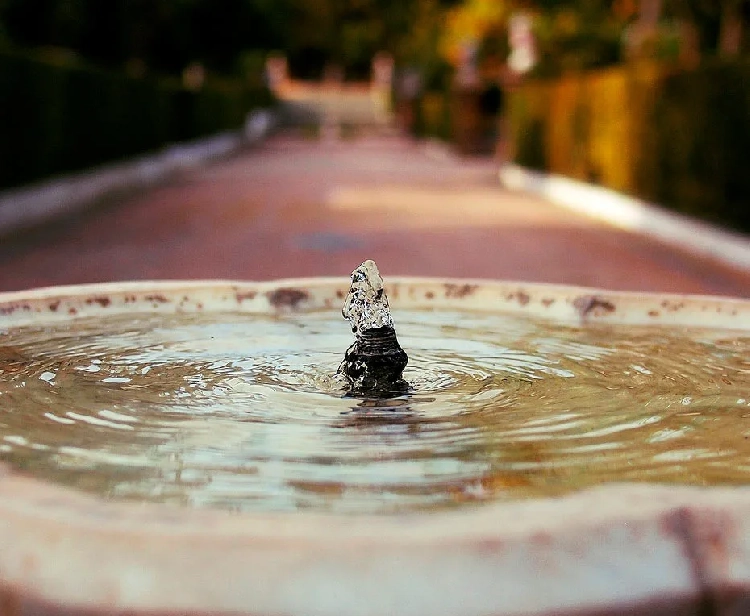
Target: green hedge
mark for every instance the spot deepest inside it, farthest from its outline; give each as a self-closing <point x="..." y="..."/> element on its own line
<point x="674" y="136"/>
<point x="701" y="128"/>
<point x="62" y="118"/>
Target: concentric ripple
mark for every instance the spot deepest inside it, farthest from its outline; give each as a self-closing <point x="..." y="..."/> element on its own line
<point x="244" y="412"/>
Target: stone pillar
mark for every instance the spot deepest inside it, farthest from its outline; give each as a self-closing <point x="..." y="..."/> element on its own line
<point x="277" y="72"/>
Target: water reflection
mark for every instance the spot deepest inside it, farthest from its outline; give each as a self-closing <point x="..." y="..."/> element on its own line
<point x="224" y="411"/>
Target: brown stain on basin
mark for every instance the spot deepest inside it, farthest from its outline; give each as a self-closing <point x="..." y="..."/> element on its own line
<point x="703" y="538"/>
<point x="102" y="300"/>
<point x="672" y="306"/>
<point x="242" y="296"/>
<point x="287" y="297"/>
<point x="521" y="297"/>
<point x="156" y="298"/>
<point x="588" y="305"/>
<point x="459" y="291"/>
<point x="13" y="307"/>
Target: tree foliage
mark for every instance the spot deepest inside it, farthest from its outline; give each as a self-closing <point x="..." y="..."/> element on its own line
<point x="578" y="35"/>
<point x="163" y="35"/>
<point x="228" y="36"/>
<point x="167" y="35"/>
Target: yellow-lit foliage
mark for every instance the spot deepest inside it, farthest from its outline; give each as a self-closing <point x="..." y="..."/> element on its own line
<point x="593" y="123"/>
<point x="675" y="136"/>
<point x="470" y="22"/>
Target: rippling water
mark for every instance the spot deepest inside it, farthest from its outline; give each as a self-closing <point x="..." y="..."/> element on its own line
<point x="240" y="412"/>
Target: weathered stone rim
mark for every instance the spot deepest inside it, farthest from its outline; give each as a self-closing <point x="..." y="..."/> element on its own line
<point x="606" y="550"/>
<point x="558" y="302"/>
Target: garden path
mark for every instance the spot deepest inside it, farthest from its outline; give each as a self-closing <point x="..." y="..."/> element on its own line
<point x="302" y="207"/>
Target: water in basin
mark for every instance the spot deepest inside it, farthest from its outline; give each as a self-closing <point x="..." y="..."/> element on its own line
<point x="241" y="412"/>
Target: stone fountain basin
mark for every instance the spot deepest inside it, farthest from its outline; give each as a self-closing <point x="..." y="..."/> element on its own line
<point x="618" y="549"/>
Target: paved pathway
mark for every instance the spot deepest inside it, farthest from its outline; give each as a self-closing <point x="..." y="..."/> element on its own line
<point x="306" y="208"/>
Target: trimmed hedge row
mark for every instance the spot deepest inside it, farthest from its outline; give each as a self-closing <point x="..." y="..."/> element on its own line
<point x="62" y="118"/>
<point x="675" y="137"/>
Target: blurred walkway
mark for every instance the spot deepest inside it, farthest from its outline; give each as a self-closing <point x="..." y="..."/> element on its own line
<point x="308" y="208"/>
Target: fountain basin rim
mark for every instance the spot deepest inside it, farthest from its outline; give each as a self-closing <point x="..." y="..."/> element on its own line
<point x="608" y="549"/>
<point x="566" y="304"/>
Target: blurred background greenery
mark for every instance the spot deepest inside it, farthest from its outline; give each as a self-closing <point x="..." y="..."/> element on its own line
<point x="232" y="37"/>
<point x="650" y="97"/>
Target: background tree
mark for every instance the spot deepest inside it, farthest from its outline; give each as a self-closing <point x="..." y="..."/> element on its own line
<point x="167" y="35"/>
<point x="230" y="36"/>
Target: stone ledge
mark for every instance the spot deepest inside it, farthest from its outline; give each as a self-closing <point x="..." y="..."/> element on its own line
<point x="25" y="207"/>
<point x="632" y="214"/>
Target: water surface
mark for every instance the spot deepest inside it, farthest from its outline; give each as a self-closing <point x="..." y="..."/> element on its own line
<point x="240" y="412"/>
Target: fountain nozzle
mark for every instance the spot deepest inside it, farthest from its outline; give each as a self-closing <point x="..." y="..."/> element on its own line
<point x="373" y="365"/>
